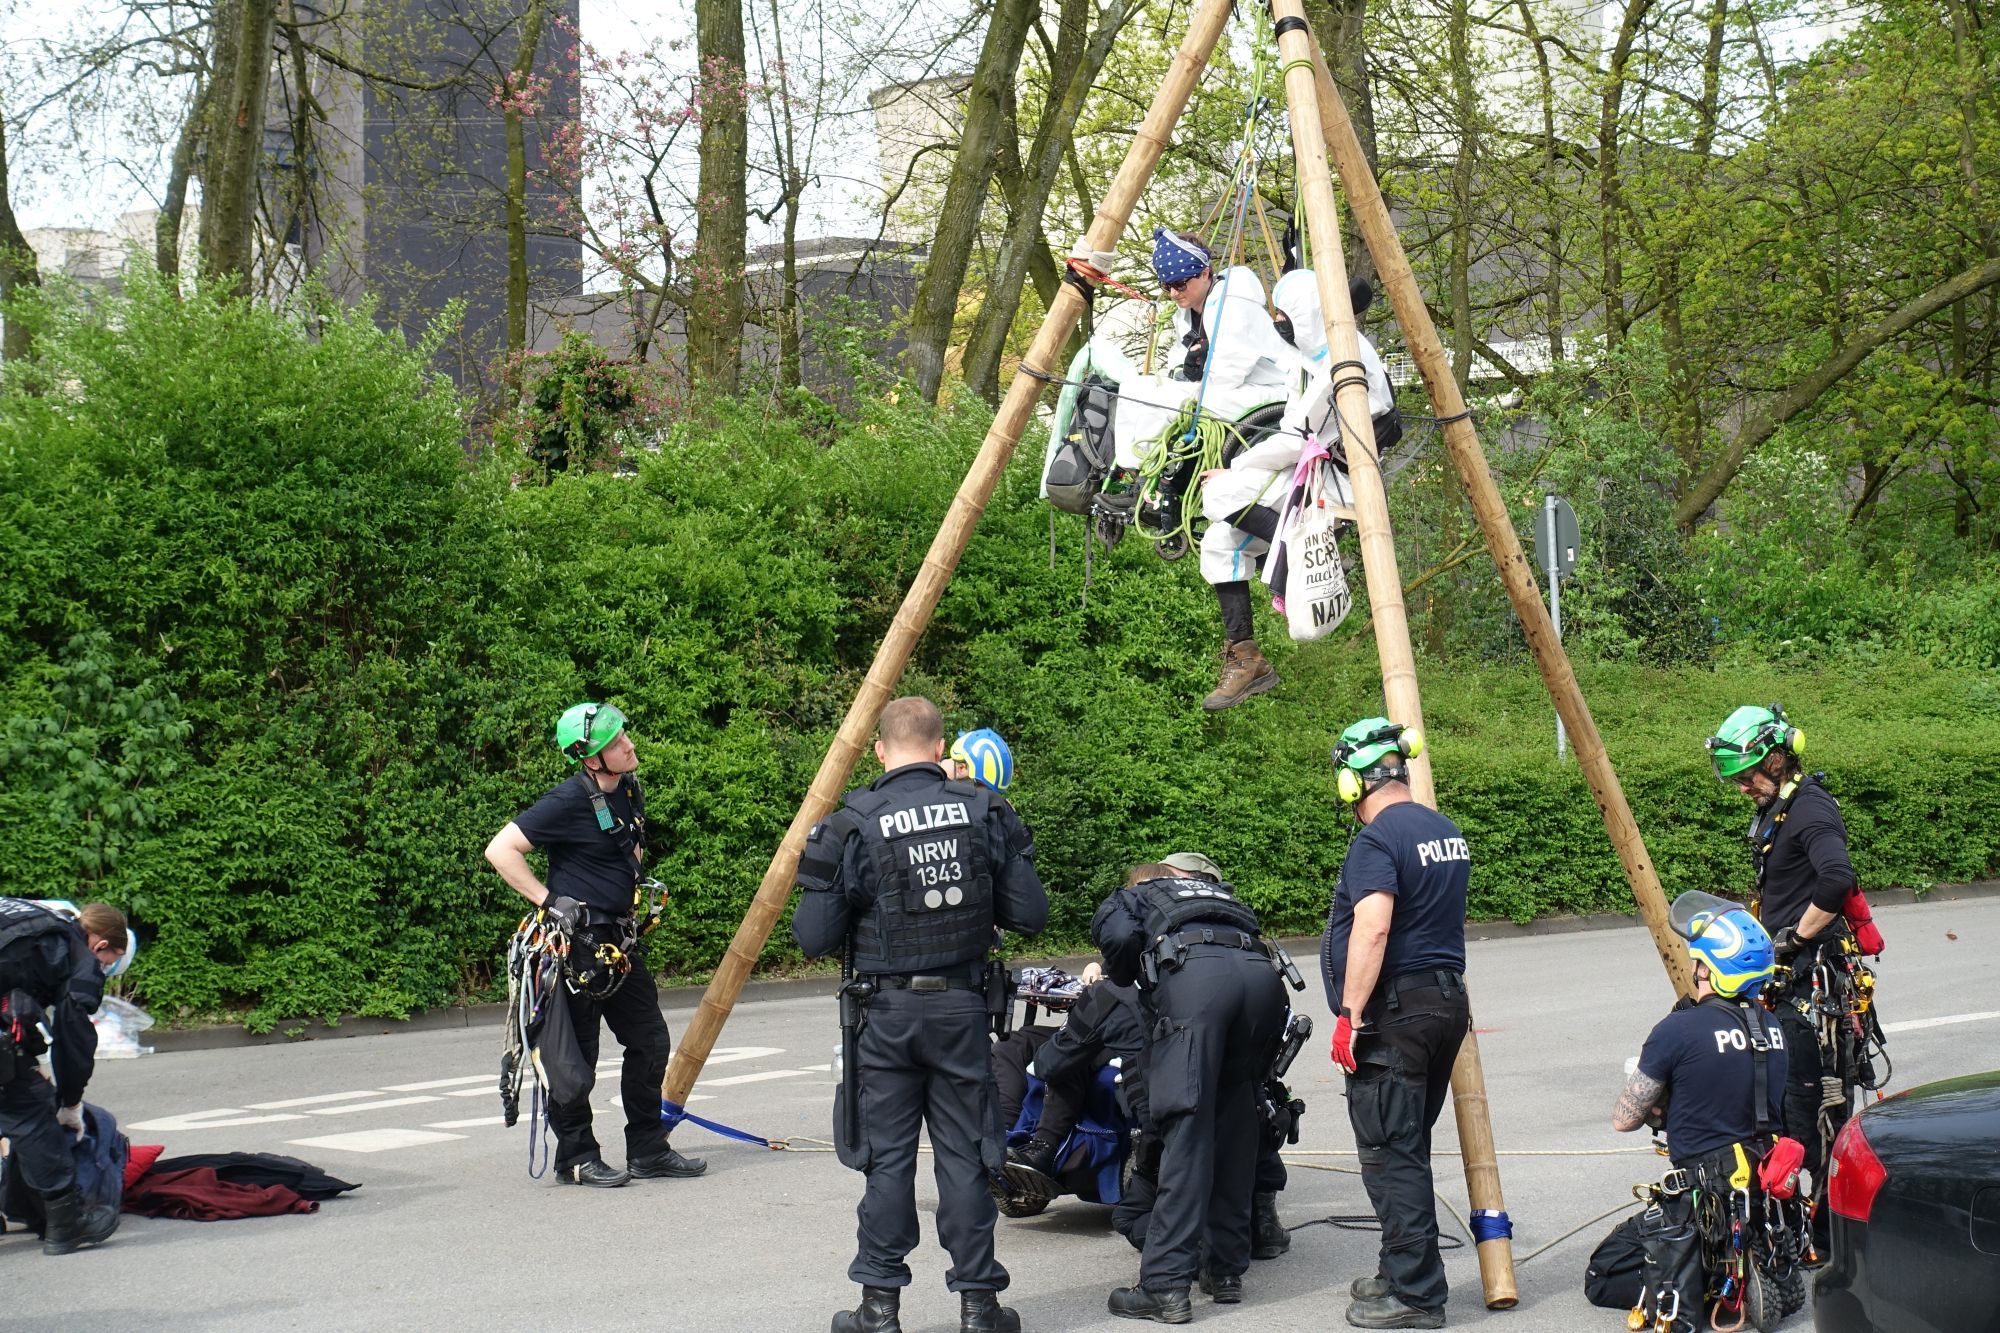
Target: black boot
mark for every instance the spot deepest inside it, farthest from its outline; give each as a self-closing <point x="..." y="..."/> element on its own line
<point x="1162" y="1307"/>
<point x="1226" y="1289"/>
<point x="982" y="1312"/>
<point x="1031" y="1170"/>
<point x="875" y="1314"/>
<point x="1268" y="1237"/>
<point x="72" y="1223"/>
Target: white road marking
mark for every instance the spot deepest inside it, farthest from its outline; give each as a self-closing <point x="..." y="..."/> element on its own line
<point x="373" y="1106"/>
<point x="439" y="1083"/>
<point x="491" y="1089"/>
<point x="1918" y="1024"/>
<point x="312" y="1101"/>
<point x="376" y="1140"/>
<point x="468" y="1124"/>
<point x="729" y="1055"/>
<point x="175" y="1124"/>
<point x="763" y="1077"/>
<point x="819" y="1069"/>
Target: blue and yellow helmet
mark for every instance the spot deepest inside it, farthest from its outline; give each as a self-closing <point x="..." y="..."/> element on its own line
<point x="1721" y="934"/>
<point x="986" y="757"/>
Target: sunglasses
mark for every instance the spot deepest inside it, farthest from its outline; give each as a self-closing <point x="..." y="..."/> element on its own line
<point x="1179" y="286"/>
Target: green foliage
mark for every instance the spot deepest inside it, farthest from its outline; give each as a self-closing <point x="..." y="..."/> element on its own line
<point x="276" y="660"/>
<point x="575" y="400"/>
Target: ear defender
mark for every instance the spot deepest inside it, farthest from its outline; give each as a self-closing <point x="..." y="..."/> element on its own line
<point x="1797" y="741"/>
<point x="1348" y="784"/>
<point x="1411" y="742"/>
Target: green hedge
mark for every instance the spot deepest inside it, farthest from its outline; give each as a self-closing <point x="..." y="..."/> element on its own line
<point x="276" y="660"/>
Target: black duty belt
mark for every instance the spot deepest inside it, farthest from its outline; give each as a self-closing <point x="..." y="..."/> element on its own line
<point x="1434" y="978"/>
<point x="1229" y="937"/>
<point x="903" y="981"/>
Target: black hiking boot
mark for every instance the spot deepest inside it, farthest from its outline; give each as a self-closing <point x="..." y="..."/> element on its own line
<point x="1268" y="1237"/>
<point x="1225" y="1289"/>
<point x="72" y="1223"/>
<point x="875" y="1314"/>
<point x="982" y="1312"/>
<point x="1031" y="1170"/>
<point x="1371" y="1288"/>
<point x="1162" y="1307"/>
<point x="1389" y="1311"/>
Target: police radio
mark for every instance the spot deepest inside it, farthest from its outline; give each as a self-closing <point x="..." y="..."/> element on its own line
<point x="1298" y="1027"/>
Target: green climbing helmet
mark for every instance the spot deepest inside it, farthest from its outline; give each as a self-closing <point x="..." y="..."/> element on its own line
<point x="1362" y="749"/>
<point x="586" y="728"/>
<point x="1746" y="736"/>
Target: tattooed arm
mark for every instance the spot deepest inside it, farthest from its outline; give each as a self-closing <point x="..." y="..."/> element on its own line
<point x="1637" y="1102"/>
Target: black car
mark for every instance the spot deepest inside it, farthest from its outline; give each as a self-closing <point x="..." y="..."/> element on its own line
<point x="1915" y="1198"/>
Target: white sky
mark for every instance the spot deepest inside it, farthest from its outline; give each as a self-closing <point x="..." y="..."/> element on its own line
<point x="55" y="185"/>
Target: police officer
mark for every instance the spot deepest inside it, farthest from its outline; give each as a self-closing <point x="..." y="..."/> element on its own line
<point x="52" y="972"/>
<point x="1394" y="964"/>
<point x="592" y="825"/>
<point x="1217" y="1010"/>
<point x="912" y="875"/>
<point x="1699" y="1069"/>
<point x="1712" y="1073"/>
<point x="1798" y="845"/>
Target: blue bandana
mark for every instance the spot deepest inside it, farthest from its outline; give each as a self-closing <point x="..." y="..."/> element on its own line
<point x="1175" y="259"/>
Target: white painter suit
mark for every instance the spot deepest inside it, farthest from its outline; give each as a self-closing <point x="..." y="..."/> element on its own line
<point x="1262" y="473"/>
<point x="1249" y="365"/>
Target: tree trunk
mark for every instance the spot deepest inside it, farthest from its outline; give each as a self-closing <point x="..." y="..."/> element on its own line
<point x="1803" y="394"/>
<point x="1552" y="290"/>
<point x="965" y="196"/>
<point x="515" y="105"/>
<point x="1610" y="179"/>
<point x="1465" y="111"/>
<point x="18" y="268"/>
<point x="173" y="203"/>
<point x="715" y="276"/>
<point x="1024" y="238"/>
<point x="236" y="146"/>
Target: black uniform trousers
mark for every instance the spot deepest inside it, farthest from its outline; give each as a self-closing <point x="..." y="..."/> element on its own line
<point x="1405" y="1053"/>
<point x="38" y="1146"/>
<point x="926" y="1061"/>
<point x="1219" y="1016"/>
<point x="633" y="1015"/>
<point x="1062" y="1100"/>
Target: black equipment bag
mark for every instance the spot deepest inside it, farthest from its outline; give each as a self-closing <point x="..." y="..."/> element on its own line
<point x="1671" y="1281"/>
<point x="1083" y="458"/>
<point x="1616" y="1273"/>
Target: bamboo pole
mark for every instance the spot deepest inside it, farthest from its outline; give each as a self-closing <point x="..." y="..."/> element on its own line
<point x="1385" y="589"/>
<point x="1378" y="230"/>
<point x="1148" y="142"/>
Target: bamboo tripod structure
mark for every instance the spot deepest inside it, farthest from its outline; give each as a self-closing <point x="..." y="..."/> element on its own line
<point x="1319" y="126"/>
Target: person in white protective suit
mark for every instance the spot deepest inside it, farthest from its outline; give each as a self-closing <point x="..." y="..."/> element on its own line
<point x="1242" y="501"/>
<point x="1226" y="351"/>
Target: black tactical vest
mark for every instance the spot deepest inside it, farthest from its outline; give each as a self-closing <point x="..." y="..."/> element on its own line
<point x="933" y="879"/>
<point x="1174" y="903"/>
<point x="21" y="919"/>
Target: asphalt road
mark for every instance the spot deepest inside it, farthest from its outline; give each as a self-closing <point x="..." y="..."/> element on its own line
<point x="449" y="1232"/>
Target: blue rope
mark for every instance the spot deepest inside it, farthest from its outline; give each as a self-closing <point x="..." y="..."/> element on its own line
<point x="1491" y="1224"/>
<point x="672" y="1115"/>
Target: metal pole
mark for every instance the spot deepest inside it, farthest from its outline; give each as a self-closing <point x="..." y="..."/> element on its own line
<point x="1148" y="143"/>
<point x="1298" y="49"/>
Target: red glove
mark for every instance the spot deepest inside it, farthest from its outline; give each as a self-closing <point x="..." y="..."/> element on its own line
<point x="1343" y="1042"/>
